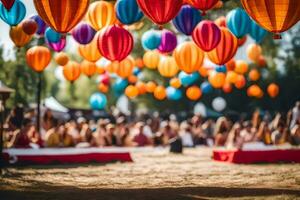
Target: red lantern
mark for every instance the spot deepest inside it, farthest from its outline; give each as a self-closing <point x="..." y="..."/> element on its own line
<point x="226" y="48"/>
<point x="203" y="5"/>
<point x="29" y="26"/>
<point x="8" y="3"/>
<point x="115" y="43"/>
<point x="60" y="15"/>
<point x="160" y="12"/>
<point x="207" y="35"/>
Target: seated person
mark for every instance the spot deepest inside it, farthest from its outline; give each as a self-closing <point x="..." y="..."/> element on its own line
<point x="186" y="135"/>
<point x="234" y="139"/>
<point x="52" y="138"/>
<point x="20" y="138"/>
<point x="295" y="135"/>
<point x="140" y="138"/>
<point x="248" y="132"/>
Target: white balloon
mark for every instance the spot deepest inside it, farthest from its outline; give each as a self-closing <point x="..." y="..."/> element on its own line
<point x="219" y="104"/>
<point x="200" y="109"/>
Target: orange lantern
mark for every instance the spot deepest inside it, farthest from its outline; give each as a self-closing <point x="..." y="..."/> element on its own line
<point x="151" y="59"/>
<point x="139" y="63"/>
<point x="225" y="50"/>
<point x="90" y="51"/>
<point x="60" y="15"/>
<point x="38" y="58"/>
<point x="61" y="58"/>
<point x="230" y="65"/>
<point x="231" y="77"/>
<point x="254" y="91"/>
<point x="88" y="68"/>
<point x="241" y="67"/>
<point x="141" y="86"/>
<point x="175" y="83"/>
<point x="132" y="79"/>
<point x="160" y="93"/>
<point x="71" y="71"/>
<point x="216" y="79"/>
<point x="124" y="68"/>
<point x="131" y="91"/>
<point x="227" y="88"/>
<point x="193" y="93"/>
<point x="276" y="16"/>
<point x="100" y="70"/>
<point x="203" y="71"/>
<point x="254" y="52"/>
<point x="101" y="14"/>
<point x="111" y="67"/>
<point x="150" y="86"/>
<point x="18" y="36"/>
<point x="167" y="66"/>
<point x="240" y="82"/>
<point x="189" y="57"/>
<point x="254" y="75"/>
<point x="103" y="88"/>
<point x="273" y="90"/>
<point x="262" y="61"/>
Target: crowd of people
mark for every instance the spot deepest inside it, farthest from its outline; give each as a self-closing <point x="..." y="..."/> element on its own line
<point x="21" y="132"/>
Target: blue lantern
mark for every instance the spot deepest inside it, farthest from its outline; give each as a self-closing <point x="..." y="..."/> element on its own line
<point x="221" y="69"/>
<point x="188" y="79"/>
<point x="136" y="71"/>
<point x="256" y="32"/>
<point x="98" y="101"/>
<point x="128" y="11"/>
<point x="174" y="94"/>
<point x="13" y="16"/>
<point x="206" y="87"/>
<point x="151" y="40"/>
<point x="52" y="36"/>
<point x="120" y="85"/>
<point x="187" y="19"/>
<point x="238" y="22"/>
<point x="41" y="24"/>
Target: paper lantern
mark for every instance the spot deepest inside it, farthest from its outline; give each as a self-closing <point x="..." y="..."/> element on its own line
<point x="111" y="39"/>
<point x="14" y="15"/>
<point x="42" y="26"/>
<point x="18" y="36"/>
<point x="90" y="52"/>
<point x="203" y="71"/>
<point x="120" y="85"/>
<point x="71" y="71"/>
<point x="167" y="67"/>
<point x="160" y="12"/>
<point x="160" y="93"/>
<point x="52" y="36"/>
<point x="254" y="91"/>
<point x="103" y="88"/>
<point x="206" y="87"/>
<point x="188" y="79"/>
<point x="207" y="35"/>
<point x="88" y="68"/>
<point x="241" y="67"/>
<point x="254" y="75"/>
<point x="38" y="58"/>
<point x="61" y="58"/>
<point x="276" y="16"/>
<point x="225" y="50"/>
<point x="131" y="91"/>
<point x="132" y="79"/>
<point x="175" y="83"/>
<point x="29" y="26"/>
<point x="168" y="42"/>
<point x="151" y="59"/>
<point x="187" y="19"/>
<point x="231" y="77"/>
<point x="139" y="63"/>
<point x="60" y="15"/>
<point x="193" y="93"/>
<point x="254" y="52"/>
<point x="227" y="88"/>
<point x="238" y="22"/>
<point x="151" y="39"/>
<point x="174" y="94"/>
<point x="219" y="104"/>
<point x="256" y="32"/>
<point x="261" y="62"/>
<point x="230" y="65"/>
<point x="240" y="82"/>
<point x="128" y="11"/>
<point x="105" y="79"/>
<point x="8" y="3"/>
<point x="203" y="5"/>
<point x="83" y="33"/>
<point x="273" y="90"/>
<point x="59" y="46"/>
<point x="98" y="101"/>
<point x="221" y="69"/>
<point x="216" y="79"/>
<point x="150" y="86"/>
<point x="124" y="68"/>
<point x="189" y="57"/>
<point x="141" y="86"/>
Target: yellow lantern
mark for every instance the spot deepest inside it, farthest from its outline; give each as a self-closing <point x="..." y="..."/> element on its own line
<point x="124" y="68"/>
<point x="88" y="68"/>
<point x="241" y="67"/>
<point x="18" y="36"/>
<point x="160" y="93"/>
<point x="151" y="59"/>
<point x="167" y="67"/>
<point x="231" y="77"/>
<point x="131" y="91"/>
<point x="150" y="86"/>
<point x="141" y="86"/>
<point x="217" y="79"/>
<point x="189" y="57"/>
<point x="90" y="51"/>
<point x="175" y="83"/>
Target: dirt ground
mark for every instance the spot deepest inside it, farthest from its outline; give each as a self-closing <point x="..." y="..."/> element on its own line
<point x="154" y="175"/>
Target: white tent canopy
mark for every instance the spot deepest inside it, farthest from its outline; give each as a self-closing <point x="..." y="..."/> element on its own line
<point x="52" y="104"/>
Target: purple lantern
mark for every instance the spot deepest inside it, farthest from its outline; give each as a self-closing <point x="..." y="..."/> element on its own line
<point x="168" y="42"/>
<point x="59" y="46"/>
<point x="41" y="24"/>
<point x="83" y="33"/>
